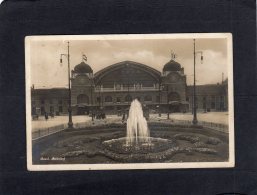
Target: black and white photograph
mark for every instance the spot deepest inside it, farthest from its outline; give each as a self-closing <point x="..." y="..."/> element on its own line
<point x="131" y="101"/>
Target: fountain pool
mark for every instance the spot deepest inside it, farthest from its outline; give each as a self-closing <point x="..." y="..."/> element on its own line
<point x="138" y="141"/>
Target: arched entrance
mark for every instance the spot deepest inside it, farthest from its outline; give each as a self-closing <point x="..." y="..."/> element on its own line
<point x="82" y="102"/>
<point x="173" y="96"/>
<point x="174" y="102"/>
<point x="82" y="99"/>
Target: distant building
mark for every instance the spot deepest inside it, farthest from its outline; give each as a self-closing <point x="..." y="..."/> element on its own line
<point x="212" y="97"/>
<point x="113" y="88"/>
<point x="53" y="100"/>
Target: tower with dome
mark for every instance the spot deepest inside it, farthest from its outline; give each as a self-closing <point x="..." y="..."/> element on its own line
<point x="174" y="86"/>
<point x="82" y="86"/>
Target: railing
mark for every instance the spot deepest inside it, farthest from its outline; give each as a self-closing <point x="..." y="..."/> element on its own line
<point x="211" y="125"/>
<point x="80" y="125"/>
<point x="112" y="89"/>
<point x="43" y="132"/>
<point x="216" y="126"/>
<point x="51" y="130"/>
<point x="47" y="131"/>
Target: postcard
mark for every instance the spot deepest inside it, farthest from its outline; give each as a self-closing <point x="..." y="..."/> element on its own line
<point x="131" y="101"/>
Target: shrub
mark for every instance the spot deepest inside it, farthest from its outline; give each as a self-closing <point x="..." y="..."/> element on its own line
<point x="199" y="144"/>
<point x="205" y="150"/>
<point x="191" y="138"/>
<point x="213" y="141"/>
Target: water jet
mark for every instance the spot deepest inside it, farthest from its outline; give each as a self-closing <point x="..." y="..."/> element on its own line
<point x="138" y="144"/>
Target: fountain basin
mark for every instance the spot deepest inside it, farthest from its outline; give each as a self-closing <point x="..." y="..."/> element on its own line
<point x="141" y="146"/>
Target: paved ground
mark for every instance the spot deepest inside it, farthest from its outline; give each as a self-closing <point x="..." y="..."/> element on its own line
<point x="215" y="117"/>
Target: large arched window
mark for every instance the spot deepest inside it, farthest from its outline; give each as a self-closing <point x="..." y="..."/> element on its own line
<point x="148" y="98"/>
<point x="173" y="96"/>
<point x="128" y="98"/>
<point x="108" y="99"/>
<point x="82" y="99"/>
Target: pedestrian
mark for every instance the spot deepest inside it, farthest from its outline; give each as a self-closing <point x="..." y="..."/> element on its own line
<point x="46" y="116"/>
<point x="123" y="117"/>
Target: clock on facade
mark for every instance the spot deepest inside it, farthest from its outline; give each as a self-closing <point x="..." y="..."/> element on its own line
<point x="173" y="78"/>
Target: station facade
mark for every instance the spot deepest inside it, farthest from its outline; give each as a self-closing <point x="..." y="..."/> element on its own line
<point x="112" y="89"/>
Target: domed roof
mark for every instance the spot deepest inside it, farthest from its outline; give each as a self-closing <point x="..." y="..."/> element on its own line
<point x="83" y="68"/>
<point x="172" y="66"/>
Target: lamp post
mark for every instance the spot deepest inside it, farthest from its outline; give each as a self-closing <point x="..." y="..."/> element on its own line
<point x="159" y="106"/>
<point x="99" y="97"/>
<point x="70" y="123"/>
<point x="91" y="77"/>
<point x="168" y="104"/>
<point x="194" y="92"/>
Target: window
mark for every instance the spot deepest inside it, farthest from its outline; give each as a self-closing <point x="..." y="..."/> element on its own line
<point x="158" y="98"/>
<point x="42" y="110"/>
<point x="108" y="99"/>
<point x="118" y="86"/>
<point x="128" y="98"/>
<point x="173" y="96"/>
<point x="42" y="101"/>
<point x="51" y="101"/>
<point x="222" y="106"/>
<point x="204" y="102"/>
<point x="98" y="99"/>
<point x="148" y="98"/>
<point x="213" y="105"/>
<point x="118" y="99"/>
<point x="204" y="105"/>
<point x="213" y="102"/>
<point x="60" y="102"/>
<point x="33" y="102"/>
<point x="51" y="109"/>
<point x="222" y="98"/>
<point x="34" y="112"/>
<point x="60" y="108"/>
<point x="138" y="86"/>
<point x="109" y="107"/>
<point x="82" y="99"/>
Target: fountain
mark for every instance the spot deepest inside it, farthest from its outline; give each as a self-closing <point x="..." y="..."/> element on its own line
<point x="137" y="145"/>
<point x="137" y="129"/>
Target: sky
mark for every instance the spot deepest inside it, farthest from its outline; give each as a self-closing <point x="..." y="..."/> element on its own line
<point x="46" y="71"/>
